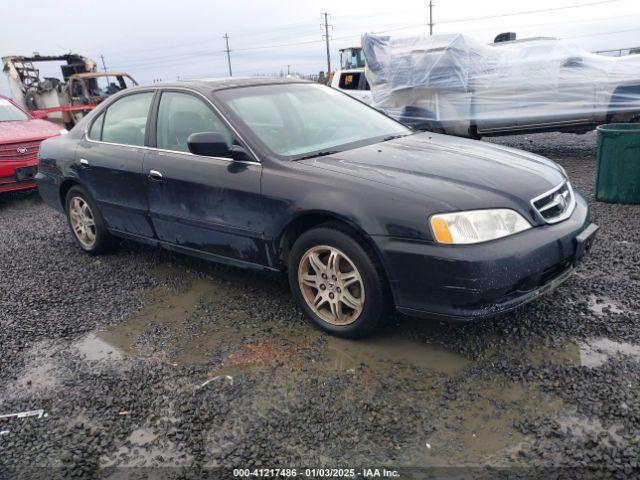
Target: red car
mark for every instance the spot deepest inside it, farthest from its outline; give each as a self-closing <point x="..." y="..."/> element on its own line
<point x="20" y="136"/>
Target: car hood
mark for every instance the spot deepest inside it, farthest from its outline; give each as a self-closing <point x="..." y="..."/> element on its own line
<point x="456" y="171"/>
<point x="27" y="130"/>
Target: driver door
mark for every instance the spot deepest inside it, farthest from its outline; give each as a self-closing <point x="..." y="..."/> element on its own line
<point x="197" y="203"/>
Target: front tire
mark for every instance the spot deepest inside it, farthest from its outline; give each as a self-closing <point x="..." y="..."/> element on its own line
<point x="338" y="283"/>
<point x="87" y="225"/>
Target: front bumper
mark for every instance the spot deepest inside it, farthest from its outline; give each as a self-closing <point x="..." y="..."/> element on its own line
<point x="18" y="175"/>
<point x="475" y="281"/>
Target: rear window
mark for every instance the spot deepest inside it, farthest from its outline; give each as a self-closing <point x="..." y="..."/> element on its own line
<point x="125" y="122"/>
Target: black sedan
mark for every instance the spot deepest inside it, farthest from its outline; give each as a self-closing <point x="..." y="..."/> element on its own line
<point x="290" y="176"/>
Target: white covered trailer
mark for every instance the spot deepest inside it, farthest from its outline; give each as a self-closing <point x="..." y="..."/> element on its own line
<point x="453" y="84"/>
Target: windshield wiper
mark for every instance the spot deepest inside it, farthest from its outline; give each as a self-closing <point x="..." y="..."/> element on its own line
<point x="319" y="154"/>
<point x="393" y="137"/>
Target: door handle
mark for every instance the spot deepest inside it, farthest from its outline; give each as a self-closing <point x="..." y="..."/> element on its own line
<point x="84" y="162"/>
<point x="155" y="175"/>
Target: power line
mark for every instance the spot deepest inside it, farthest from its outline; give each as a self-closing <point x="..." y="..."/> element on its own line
<point x="226" y="39"/>
<point x="469" y="19"/>
<point x="547" y="24"/>
<point x="188" y="58"/>
<point x="169" y="59"/>
<point x="185" y="58"/>
<point x="253" y="32"/>
<point x="261" y="47"/>
<point x="431" y="24"/>
<point x="528" y="12"/>
<point x="615" y="32"/>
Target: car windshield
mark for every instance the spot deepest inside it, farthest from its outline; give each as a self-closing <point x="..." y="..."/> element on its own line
<point x="298" y="120"/>
<point x="10" y="113"/>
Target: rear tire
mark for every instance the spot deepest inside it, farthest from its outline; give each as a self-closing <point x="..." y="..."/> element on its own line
<point x="87" y="225"/>
<point x="338" y="283"/>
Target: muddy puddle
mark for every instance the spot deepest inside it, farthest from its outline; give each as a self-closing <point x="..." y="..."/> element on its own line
<point x="479" y="430"/>
<point x="386" y="350"/>
<point x="574" y="424"/>
<point x="537" y="353"/>
<point x="144" y="448"/>
<point x="182" y="327"/>
<point x="603" y="305"/>
<point x="197" y="323"/>
<point x="598" y="351"/>
<point x="591" y="353"/>
<point x="193" y="325"/>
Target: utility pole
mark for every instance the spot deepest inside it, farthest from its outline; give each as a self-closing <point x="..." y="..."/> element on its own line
<point x="431" y="17"/>
<point x="326" y="36"/>
<point x="104" y="66"/>
<point x="226" y="39"/>
<point x="288" y="70"/>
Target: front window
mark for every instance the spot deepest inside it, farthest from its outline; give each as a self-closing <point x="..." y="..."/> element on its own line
<point x="180" y="115"/>
<point x="10" y="113"/>
<point x="295" y="120"/>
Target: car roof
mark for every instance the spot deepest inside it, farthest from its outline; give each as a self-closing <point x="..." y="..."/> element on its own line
<point x="215" y="84"/>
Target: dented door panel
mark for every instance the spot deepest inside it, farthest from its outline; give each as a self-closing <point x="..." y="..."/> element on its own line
<point x="207" y="204"/>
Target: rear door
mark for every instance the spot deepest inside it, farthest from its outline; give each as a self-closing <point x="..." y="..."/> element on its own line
<point x="497" y="92"/>
<point x="199" y="203"/>
<point x="110" y="159"/>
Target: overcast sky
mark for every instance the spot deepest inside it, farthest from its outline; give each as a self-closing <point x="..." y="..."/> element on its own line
<point x="154" y="39"/>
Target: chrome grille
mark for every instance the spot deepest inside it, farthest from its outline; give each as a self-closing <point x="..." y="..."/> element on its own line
<point x="555" y="205"/>
<point x="21" y="151"/>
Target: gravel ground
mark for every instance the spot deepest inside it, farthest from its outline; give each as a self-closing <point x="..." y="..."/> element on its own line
<point x="146" y="359"/>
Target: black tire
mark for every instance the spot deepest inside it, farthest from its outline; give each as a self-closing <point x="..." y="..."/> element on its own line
<point x="376" y="309"/>
<point x="104" y="241"/>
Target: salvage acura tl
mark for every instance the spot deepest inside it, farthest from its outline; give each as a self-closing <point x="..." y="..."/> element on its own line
<point x="285" y="175"/>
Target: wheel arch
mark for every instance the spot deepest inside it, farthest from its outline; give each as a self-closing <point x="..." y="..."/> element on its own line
<point x="66" y="185"/>
<point x="310" y="219"/>
<point x="620" y="98"/>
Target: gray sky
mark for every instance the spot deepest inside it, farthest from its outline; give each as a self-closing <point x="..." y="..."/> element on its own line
<point x="165" y="39"/>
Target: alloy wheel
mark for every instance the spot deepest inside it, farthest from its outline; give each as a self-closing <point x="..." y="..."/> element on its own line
<point x="331" y="285"/>
<point x="82" y="222"/>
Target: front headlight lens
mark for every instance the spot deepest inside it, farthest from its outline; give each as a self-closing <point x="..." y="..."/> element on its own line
<point x="477" y="226"/>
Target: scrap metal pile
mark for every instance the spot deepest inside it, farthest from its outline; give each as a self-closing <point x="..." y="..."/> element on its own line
<point x="65" y="99"/>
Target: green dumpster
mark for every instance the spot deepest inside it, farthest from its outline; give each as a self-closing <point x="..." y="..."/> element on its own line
<point x="618" y="167"/>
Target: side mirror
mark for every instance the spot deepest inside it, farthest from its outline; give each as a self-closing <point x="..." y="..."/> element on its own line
<point x="39" y="115"/>
<point x="573" y="62"/>
<point x="209" y="144"/>
<point x="214" y="144"/>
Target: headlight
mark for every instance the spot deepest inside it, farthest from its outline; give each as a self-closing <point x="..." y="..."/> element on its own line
<point x="477" y="226"/>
